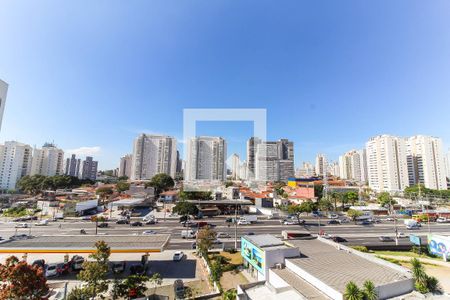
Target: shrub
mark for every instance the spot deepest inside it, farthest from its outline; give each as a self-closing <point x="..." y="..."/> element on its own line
<point x="361" y="249"/>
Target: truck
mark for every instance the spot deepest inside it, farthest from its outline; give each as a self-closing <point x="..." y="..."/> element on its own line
<point x="41" y="223"/>
<point x="273" y="215"/>
<point x="148" y="217"/>
<point x="411" y="223"/>
<point x="249" y="218"/>
<point x="187" y="234"/>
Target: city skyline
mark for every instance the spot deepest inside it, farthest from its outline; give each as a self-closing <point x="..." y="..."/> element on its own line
<point x="327" y="95"/>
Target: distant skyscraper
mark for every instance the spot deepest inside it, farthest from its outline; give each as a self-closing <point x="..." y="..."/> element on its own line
<point x="321" y="165"/>
<point x="448" y="163"/>
<point x="306" y="171"/>
<point x="179" y="168"/>
<point x="48" y="161"/>
<point x="252" y="144"/>
<point x="243" y="169"/>
<point x="353" y="166"/>
<point x="15" y="162"/>
<point x="386" y="163"/>
<point x="235" y="166"/>
<point x="206" y="159"/>
<point x="426" y="165"/>
<point x="89" y="169"/>
<point x="274" y="161"/>
<point x="153" y="154"/>
<point x="3" y="92"/>
<point x="125" y="165"/>
<point x="73" y="166"/>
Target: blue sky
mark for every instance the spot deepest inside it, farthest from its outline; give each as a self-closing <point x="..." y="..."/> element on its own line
<point x="331" y="74"/>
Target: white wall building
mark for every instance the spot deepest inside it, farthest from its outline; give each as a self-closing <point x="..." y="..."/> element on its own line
<point x="206" y="158"/>
<point x="306" y="171"/>
<point x="274" y="161"/>
<point x="448" y="163"/>
<point x="353" y="165"/>
<point x="321" y="165"/>
<point x="125" y="165"/>
<point x="235" y="167"/>
<point x="3" y="93"/>
<point x="153" y="154"/>
<point x="15" y="162"/>
<point x="243" y="171"/>
<point x="48" y="161"/>
<point x="386" y="163"/>
<point x="426" y="165"/>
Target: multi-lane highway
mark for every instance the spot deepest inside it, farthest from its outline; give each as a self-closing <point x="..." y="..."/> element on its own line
<point x="354" y="234"/>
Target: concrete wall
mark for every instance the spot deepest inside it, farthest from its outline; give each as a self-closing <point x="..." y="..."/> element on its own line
<point x="395" y="289"/>
<point x="276" y="256"/>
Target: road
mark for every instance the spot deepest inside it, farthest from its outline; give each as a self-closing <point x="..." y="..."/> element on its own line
<point x="354" y="234"/>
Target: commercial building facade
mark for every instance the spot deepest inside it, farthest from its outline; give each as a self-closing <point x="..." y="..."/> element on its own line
<point x="153" y="154"/>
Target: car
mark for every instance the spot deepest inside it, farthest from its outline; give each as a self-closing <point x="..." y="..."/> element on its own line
<point x="77" y="262"/>
<point x="289" y="222"/>
<point x="333" y="216"/>
<point x="366" y="222"/>
<point x="413" y="227"/>
<point x="51" y="270"/>
<point x="148" y="232"/>
<point x="40" y="263"/>
<point x="250" y="233"/>
<point x="118" y="267"/>
<point x="243" y="222"/>
<point x="178" y="289"/>
<point x="390" y="219"/>
<point x="102" y="225"/>
<point x="334" y="222"/>
<point x="386" y="239"/>
<point x="151" y="222"/>
<point x="377" y="221"/>
<point x="230" y="220"/>
<point x="62" y="268"/>
<point x="442" y="220"/>
<point x="187" y="223"/>
<point x="344" y="220"/>
<point x="135" y="224"/>
<point x="222" y="235"/>
<point x="326" y="236"/>
<point x="194" y="245"/>
<point x="22" y="225"/>
<point x="86" y="218"/>
<point x="41" y="223"/>
<point x="177" y="256"/>
<point x="123" y="221"/>
<point x="217" y="242"/>
<point x="402" y="235"/>
<point x="137" y="269"/>
<point x="338" y="239"/>
<point x="20" y="237"/>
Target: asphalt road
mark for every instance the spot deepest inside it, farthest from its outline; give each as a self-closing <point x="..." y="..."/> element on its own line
<point x="354" y="234"/>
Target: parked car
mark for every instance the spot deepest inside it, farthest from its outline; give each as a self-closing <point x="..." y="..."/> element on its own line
<point x="137" y="269"/>
<point x="118" y="267"/>
<point x="334" y="222"/>
<point x="123" y="221"/>
<point x="177" y="256"/>
<point x="386" y="239"/>
<point x="51" y="270"/>
<point x="135" y="224"/>
<point x="442" y="220"/>
<point x="77" y="262"/>
<point x="62" y="268"/>
<point x="102" y="225"/>
<point x="178" y="289"/>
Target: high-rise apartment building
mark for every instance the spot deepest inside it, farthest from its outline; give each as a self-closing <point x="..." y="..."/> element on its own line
<point x="125" y="165"/>
<point x="15" y="162"/>
<point x="252" y="144"/>
<point x="386" y="163"/>
<point x="321" y="165"/>
<point x="73" y="166"/>
<point x="153" y="154"/>
<point x="447" y="156"/>
<point x="48" y="161"/>
<point x="206" y="159"/>
<point x="306" y="170"/>
<point x="426" y="164"/>
<point x="353" y="166"/>
<point x="243" y="169"/>
<point x="89" y="169"/>
<point x="274" y="161"/>
<point x="235" y="166"/>
<point x="3" y="92"/>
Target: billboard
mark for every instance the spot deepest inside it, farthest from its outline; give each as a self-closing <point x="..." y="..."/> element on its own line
<point x="415" y="239"/>
<point x="439" y="245"/>
<point x="253" y="255"/>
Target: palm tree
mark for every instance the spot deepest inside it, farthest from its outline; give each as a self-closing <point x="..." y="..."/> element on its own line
<point x="418" y="271"/>
<point x="335" y="196"/>
<point x="352" y="292"/>
<point x="369" y="291"/>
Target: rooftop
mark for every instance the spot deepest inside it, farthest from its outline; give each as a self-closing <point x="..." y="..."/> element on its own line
<point x="264" y="240"/>
<point x="337" y="267"/>
<point x="86" y="243"/>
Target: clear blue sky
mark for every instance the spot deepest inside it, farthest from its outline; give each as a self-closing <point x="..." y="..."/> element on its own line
<point x="331" y="74"/>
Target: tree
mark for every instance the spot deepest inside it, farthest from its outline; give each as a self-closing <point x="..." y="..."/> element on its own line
<point x="161" y="182"/>
<point x="156" y="280"/>
<point x="335" y="196"/>
<point x="185" y="208"/>
<point x="133" y="286"/>
<point x="308" y="206"/>
<point x="78" y="293"/>
<point x="318" y="191"/>
<point x="352" y="292"/>
<point x="422" y="282"/>
<point x="94" y="272"/>
<point x="231" y="294"/>
<point x="369" y="291"/>
<point x="195" y="195"/>
<point x="325" y="205"/>
<point x="351" y="197"/>
<point x="205" y="238"/>
<point x="228" y="184"/>
<point x="385" y="199"/>
<point x="122" y="186"/>
<point x="216" y="271"/>
<point x="22" y="281"/>
<point x="354" y="214"/>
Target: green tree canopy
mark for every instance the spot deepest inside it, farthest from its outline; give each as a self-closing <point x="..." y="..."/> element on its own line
<point x="161" y="182"/>
<point x="185" y="208"/>
<point x="352" y="292"/>
<point x="354" y="214"/>
<point x="385" y="199"/>
<point x="122" y="186"/>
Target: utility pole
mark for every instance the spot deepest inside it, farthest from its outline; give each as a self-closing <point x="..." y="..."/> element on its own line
<point x="235" y="224"/>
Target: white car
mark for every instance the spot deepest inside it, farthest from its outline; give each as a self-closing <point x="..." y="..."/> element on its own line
<point x="51" y="270"/>
<point x="333" y="216"/>
<point x="177" y="256"/>
<point x="243" y="222"/>
<point x="401" y="235"/>
<point x="290" y="222"/>
<point x="148" y="232"/>
<point x="21" y="225"/>
<point x="442" y="220"/>
<point x="223" y="235"/>
<point x="41" y="223"/>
